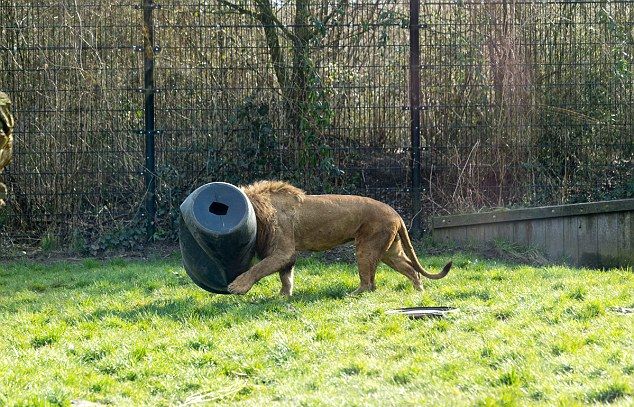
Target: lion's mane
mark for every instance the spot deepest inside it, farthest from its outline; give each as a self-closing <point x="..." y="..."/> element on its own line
<point x="259" y="194"/>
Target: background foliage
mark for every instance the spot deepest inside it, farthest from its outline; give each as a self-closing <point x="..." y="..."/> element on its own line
<point x="524" y="103"/>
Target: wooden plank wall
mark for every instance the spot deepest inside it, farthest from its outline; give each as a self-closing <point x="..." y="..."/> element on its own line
<point x="592" y="235"/>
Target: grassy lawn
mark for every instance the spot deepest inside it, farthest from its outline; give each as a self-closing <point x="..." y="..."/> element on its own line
<point x="141" y="333"/>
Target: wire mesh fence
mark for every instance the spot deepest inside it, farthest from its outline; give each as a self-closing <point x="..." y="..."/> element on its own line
<point x="528" y="103"/>
<point x="521" y="103"/>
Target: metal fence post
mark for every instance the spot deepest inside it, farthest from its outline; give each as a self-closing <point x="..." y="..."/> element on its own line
<point x="148" y="108"/>
<point x="414" y="106"/>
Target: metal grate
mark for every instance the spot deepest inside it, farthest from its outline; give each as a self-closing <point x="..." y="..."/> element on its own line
<point x="527" y="103"/>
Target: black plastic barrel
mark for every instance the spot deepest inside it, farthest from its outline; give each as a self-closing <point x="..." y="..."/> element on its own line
<point x="217" y="235"/>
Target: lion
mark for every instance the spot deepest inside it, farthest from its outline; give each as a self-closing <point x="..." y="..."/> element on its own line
<point x="6" y="139"/>
<point x="289" y="220"/>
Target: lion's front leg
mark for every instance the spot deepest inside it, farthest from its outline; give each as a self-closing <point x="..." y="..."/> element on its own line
<point x="286" y="276"/>
<point x="269" y="265"/>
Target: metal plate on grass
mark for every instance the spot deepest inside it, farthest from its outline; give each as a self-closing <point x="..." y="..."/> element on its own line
<point x="423" y="312"/>
<point x="622" y="310"/>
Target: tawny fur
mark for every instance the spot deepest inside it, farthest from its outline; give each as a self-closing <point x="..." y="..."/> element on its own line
<point x="290" y="221"/>
<point x="6" y="140"/>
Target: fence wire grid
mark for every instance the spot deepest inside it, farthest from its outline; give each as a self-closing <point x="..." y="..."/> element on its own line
<point x="521" y="103"/>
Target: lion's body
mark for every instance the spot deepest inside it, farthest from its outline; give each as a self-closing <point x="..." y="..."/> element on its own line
<point x="290" y="221"/>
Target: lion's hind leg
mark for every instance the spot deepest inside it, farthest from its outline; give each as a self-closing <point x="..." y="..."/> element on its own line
<point x="370" y="249"/>
<point x="395" y="258"/>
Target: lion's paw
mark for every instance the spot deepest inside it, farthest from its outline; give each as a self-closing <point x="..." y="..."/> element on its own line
<point x="240" y="285"/>
<point x="361" y="290"/>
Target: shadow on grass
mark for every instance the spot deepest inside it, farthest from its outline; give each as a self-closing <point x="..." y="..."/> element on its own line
<point x="241" y="308"/>
<point x="53" y="287"/>
<point x="213" y="307"/>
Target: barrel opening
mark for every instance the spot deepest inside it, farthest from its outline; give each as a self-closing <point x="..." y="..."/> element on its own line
<point x="218" y="208"/>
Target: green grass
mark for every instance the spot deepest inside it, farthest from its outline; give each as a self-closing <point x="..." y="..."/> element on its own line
<point x="141" y="333"/>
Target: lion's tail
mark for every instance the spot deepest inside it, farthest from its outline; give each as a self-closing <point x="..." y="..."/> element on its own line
<point x="411" y="254"/>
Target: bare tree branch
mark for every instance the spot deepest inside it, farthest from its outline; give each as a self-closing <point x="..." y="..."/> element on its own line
<point x="266" y="11"/>
<point x="264" y="14"/>
<point x="239" y="9"/>
<point x="342" y="4"/>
